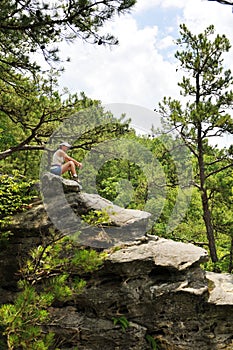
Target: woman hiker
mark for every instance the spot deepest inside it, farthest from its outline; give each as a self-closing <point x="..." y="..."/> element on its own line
<point x="62" y="162"/>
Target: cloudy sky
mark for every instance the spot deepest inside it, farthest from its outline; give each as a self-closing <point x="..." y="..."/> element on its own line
<point x="141" y="70"/>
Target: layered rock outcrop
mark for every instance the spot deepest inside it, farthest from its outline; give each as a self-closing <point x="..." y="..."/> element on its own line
<point x="63" y="207"/>
<point x="159" y="287"/>
<point x="149" y="292"/>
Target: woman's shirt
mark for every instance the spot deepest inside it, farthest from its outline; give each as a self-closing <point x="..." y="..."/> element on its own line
<point x="57" y="159"/>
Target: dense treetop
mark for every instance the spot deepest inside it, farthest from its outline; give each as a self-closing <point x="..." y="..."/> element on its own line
<point x="29" y="100"/>
<point x="27" y="26"/>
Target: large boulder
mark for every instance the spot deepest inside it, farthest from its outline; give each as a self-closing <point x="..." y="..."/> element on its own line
<point x="50" y="184"/>
<point x="150" y="292"/>
<point x="159" y="288"/>
<point x="63" y="207"/>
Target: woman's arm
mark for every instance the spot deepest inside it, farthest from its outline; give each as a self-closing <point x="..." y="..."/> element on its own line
<point x="67" y="158"/>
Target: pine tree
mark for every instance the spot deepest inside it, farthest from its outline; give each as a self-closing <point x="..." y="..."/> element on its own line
<point x="207" y="87"/>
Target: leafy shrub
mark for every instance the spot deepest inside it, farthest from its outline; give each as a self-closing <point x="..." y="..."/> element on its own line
<point x="21" y="320"/>
<point x="97" y="217"/>
<point x="15" y="194"/>
<point x="50" y="275"/>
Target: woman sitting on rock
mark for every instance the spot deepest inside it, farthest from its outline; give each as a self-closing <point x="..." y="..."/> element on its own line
<point x="62" y="162"/>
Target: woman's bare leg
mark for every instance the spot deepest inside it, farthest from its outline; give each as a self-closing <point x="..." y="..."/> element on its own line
<point x="69" y="166"/>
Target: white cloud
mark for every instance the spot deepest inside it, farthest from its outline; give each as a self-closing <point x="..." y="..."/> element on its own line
<point x="144" y="5"/>
<point x="200" y="14"/>
<point x="174" y="3"/>
<point x="166" y="42"/>
<point x="142" y="69"/>
<point x="133" y="72"/>
<point x="197" y="18"/>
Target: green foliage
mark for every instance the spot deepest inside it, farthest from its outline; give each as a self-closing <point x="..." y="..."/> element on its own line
<point x="60" y="257"/>
<point x="205" y="114"/>
<point x="31" y="104"/>
<point x="87" y="260"/>
<point x="207" y="85"/>
<point x="97" y="217"/>
<point x="192" y="227"/>
<point x="52" y="274"/>
<point x="123" y="182"/>
<point x="29" y="26"/>
<point x="29" y="118"/>
<point x="221" y="189"/>
<point x="152" y="342"/>
<point x="15" y="195"/>
<point x="122" y="321"/>
<point x="22" y="320"/>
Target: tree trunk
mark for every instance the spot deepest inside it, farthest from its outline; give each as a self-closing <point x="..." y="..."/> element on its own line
<point x="204" y="198"/>
<point x="230" y="268"/>
<point x="209" y="226"/>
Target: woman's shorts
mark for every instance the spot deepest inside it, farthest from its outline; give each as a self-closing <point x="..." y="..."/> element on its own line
<point x="55" y="169"/>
